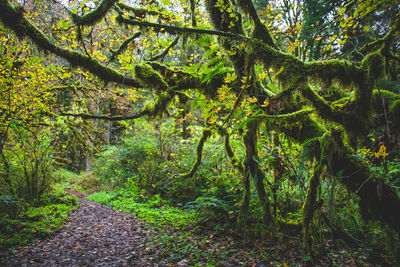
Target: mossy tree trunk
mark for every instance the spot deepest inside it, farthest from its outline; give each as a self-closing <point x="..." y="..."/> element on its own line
<point x="253" y="170"/>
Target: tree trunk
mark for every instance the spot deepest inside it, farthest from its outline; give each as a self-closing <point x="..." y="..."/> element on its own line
<point x="252" y="168"/>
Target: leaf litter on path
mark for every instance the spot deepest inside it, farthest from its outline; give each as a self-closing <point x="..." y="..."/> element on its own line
<point x="96" y="235"/>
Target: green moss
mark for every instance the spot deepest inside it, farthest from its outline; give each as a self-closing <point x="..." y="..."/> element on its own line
<point x="373" y="63"/>
<point x="332" y="93"/>
<point x="149" y="78"/>
<point x="262" y="33"/>
<point x="177" y="79"/>
<point x="322" y="107"/>
<point x="328" y="71"/>
<point x="158" y="107"/>
<point x="95" y="15"/>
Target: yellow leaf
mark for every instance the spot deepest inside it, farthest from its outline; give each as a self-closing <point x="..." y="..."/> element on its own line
<point x="253" y="100"/>
<point x="266" y="103"/>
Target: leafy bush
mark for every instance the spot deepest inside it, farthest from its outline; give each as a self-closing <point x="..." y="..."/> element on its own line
<point x="82" y="182"/>
<point x="9" y="206"/>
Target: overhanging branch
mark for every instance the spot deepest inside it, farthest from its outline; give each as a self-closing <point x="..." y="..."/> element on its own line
<point x="95" y="15"/>
<point x="23" y="28"/>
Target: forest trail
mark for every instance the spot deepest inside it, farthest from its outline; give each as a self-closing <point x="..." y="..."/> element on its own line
<point x="95" y="235"/>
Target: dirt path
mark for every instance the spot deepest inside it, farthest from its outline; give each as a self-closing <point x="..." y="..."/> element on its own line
<point x="96" y="235"/>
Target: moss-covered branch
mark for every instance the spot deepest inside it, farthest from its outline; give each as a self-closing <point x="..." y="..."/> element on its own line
<point x="143" y="12"/>
<point x="175" y="78"/>
<point x="106" y="118"/>
<point x="260" y="31"/>
<point x="322" y="107"/>
<point x="149" y="78"/>
<point x="95" y="15"/>
<point x="14" y="20"/>
<point x="288" y="117"/>
<point x="199" y="152"/>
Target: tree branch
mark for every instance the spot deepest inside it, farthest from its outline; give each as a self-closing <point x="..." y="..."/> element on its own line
<point x="102" y="117"/>
<point x="206" y="134"/>
<point x="165" y="52"/>
<point x="22" y="27"/>
<point x="123" y="46"/>
<point x="95" y="15"/>
<point x="177" y="29"/>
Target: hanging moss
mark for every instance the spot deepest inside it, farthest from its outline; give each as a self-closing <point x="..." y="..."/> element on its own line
<point x="158" y="107"/>
<point x="309" y="208"/>
<point x="341" y="71"/>
<point x="149" y="78"/>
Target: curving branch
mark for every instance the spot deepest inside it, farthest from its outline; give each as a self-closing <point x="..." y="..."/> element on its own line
<point x="95" y="15"/>
<point x="260" y="31"/>
<point x="322" y="107"/>
<point x="15" y="21"/>
<point x="206" y="134"/>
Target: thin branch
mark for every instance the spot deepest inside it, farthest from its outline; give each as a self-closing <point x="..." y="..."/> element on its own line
<point x="123" y="46"/>
<point x="165" y="52"/>
<point x="101" y="117"/>
<point x="177" y="29"/>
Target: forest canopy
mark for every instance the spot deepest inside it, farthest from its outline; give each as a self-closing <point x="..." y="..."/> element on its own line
<point x="299" y="99"/>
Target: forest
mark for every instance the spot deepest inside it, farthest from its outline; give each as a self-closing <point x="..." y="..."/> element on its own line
<point x="199" y="133"/>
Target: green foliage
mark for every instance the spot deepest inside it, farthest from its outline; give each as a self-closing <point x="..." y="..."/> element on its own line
<point x="36" y="222"/>
<point x="9" y="206"/>
<point x="155" y="211"/>
<point x="83" y="182"/>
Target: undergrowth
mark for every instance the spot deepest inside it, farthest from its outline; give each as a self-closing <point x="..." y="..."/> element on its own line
<point x="154" y="211"/>
<point x="31" y="222"/>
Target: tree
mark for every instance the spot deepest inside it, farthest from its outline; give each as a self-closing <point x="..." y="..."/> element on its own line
<point x="242" y="74"/>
